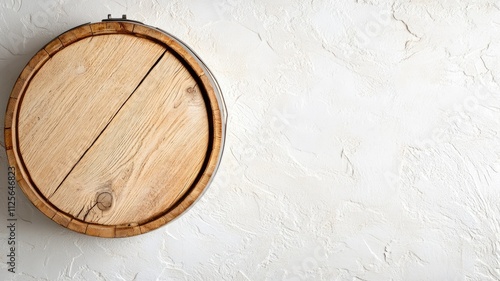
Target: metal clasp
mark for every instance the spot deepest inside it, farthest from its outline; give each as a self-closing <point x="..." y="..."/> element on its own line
<point x="123" y="18"/>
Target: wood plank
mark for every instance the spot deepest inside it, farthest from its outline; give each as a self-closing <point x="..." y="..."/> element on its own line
<point x="9" y="112"/>
<point x="75" y="34"/>
<point x="112" y="130"/>
<point x="60" y="118"/>
<point x="108" y="27"/>
<point x="148" y="156"/>
<point x="7" y="132"/>
<point x="78" y="226"/>
<point x="61" y="219"/>
<point x="126" y="231"/>
<point x="53" y="46"/>
<point x="100" y="230"/>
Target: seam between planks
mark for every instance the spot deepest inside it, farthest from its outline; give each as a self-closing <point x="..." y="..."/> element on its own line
<point x="107" y="125"/>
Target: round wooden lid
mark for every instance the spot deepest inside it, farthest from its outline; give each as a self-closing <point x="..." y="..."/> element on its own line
<point x="114" y="129"/>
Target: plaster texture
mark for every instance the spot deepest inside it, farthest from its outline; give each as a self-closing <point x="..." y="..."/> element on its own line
<point x="363" y="143"/>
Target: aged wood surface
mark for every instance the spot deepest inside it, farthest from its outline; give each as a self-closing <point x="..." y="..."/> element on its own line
<point x="147" y="157"/>
<point x="114" y="129"/>
<point x="73" y="97"/>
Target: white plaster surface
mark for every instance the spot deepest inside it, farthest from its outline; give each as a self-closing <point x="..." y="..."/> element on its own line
<point x="363" y="143"/>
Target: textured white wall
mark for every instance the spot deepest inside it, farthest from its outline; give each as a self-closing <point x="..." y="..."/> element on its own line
<point x="363" y="144"/>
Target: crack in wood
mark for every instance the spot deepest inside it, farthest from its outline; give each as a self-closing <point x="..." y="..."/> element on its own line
<point x="88" y="211"/>
<point x="107" y="125"/>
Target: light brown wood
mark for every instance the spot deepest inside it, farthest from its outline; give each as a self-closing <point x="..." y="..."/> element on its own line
<point x="114" y="129"/>
<point x="159" y="138"/>
<point x="58" y="113"/>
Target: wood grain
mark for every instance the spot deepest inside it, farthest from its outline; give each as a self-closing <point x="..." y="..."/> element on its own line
<point x="60" y="118"/>
<point x="148" y="156"/>
<point x="114" y="129"/>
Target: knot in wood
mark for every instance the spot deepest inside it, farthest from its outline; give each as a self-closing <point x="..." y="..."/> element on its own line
<point x="172" y="99"/>
<point x="104" y="200"/>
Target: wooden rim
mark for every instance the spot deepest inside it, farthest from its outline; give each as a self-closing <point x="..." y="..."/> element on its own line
<point x="37" y="62"/>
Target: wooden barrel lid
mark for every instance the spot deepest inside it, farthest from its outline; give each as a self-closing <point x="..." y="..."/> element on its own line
<point x="114" y="129"/>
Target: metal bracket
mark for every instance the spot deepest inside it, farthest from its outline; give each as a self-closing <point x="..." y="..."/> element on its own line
<point x="123" y="18"/>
